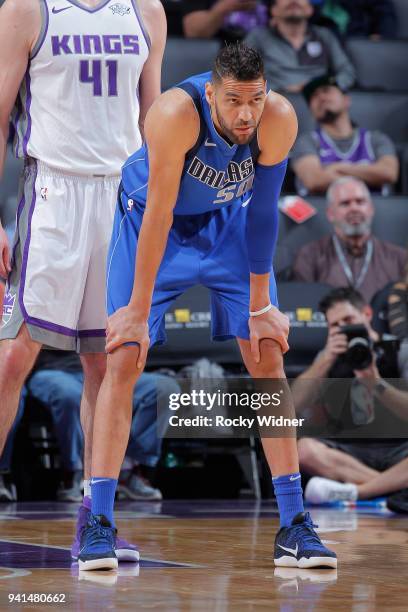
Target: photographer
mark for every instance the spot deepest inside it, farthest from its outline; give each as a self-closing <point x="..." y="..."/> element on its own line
<point x="363" y="467"/>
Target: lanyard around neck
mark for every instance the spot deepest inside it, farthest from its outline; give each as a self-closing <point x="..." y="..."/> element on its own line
<point x="356" y="283"/>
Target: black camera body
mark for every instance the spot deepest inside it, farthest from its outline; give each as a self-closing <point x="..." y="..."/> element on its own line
<point x="359" y="354"/>
<point x="361" y="349"/>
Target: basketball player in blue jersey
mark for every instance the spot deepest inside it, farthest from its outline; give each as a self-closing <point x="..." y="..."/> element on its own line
<point x="198" y="204"/>
<point x="81" y="75"/>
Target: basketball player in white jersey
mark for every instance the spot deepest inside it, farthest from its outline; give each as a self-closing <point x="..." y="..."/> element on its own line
<point x="77" y="78"/>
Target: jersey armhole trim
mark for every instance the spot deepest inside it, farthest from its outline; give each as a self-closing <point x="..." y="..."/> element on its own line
<point x="195" y="96"/>
<point x="45" y="18"/>
<point x="141" y="23"/>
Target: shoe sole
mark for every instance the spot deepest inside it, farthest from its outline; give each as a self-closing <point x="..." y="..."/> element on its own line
<point x="305" y="563"/>
<point x="98" y="564"/>
<point x="125" y="554"/>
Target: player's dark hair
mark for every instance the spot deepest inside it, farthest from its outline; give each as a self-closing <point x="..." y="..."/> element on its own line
<point x="342" y="294"/>
<point x="239" y="62"/>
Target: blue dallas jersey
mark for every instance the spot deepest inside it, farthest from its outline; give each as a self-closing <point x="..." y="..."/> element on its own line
<point x="216" y="173"/>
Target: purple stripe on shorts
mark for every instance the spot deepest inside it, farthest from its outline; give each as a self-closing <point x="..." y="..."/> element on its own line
<point x="88" y="9"/>
<point x="27" y="109"/>
<point x="26" y="246"/>
<point x="59" y="329"/>
<point x="19" y="211"/>
<point x="142" y="25"/>
<point x="15" y="123"/>
<point x="89" y="333"/>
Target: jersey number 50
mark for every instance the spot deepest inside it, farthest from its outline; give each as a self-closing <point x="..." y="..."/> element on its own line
<point x="234" y="191"/>
<point x="90" y="71"/>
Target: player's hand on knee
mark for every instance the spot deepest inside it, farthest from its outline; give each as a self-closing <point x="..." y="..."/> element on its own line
<point x="124" y="327"/>
<point x="5" y="267"/>
<point x="274" y="325"/>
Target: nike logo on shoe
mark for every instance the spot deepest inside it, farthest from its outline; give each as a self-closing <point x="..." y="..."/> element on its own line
<point x="209" y="144"/>
<point x="56" y="11"/>
<point x="292" y="551"/>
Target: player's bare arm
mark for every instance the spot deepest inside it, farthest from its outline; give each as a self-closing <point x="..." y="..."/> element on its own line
<point x="20" y="25"/>
<point x="276" y="134"/>
<point x="172" y="127"/>
<point x="150" y="81"/>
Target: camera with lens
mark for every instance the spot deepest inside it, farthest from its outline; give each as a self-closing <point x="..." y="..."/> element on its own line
<point x="359" y="354"/>
<point x="361" y="349"/>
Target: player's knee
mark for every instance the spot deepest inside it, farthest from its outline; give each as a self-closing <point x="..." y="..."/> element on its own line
<point x="94" y="366"/>
<point x="122" y="367"/>
<point x="16" y="359"/>
<point x="307" y="453"/>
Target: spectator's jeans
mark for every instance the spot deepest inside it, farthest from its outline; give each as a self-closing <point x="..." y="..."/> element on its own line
<point x="5" y="459"/>
<point x="61" y="393"/>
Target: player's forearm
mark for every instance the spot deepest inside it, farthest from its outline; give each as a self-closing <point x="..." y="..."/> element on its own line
<point x="151" y="245"/>
<point x="259" y="291"/>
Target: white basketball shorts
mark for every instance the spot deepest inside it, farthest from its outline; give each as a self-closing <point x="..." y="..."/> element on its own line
<point x="58" y="278"/>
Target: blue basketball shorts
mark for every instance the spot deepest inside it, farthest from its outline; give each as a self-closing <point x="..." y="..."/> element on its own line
<point x="207" y="249"/>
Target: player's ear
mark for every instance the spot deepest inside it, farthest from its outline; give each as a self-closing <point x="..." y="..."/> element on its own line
<point x="209" y="92"/>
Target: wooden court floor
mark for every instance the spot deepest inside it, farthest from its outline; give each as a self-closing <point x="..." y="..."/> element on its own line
<point x="199" y="556"/>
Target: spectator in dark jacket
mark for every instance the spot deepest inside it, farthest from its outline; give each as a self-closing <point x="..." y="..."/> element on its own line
<point x="351" y="255"/>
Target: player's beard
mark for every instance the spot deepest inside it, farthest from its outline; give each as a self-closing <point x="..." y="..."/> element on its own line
<point x="228" y="133"/>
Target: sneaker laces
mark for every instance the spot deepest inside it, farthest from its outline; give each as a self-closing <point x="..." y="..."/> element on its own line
<point x="310" y="536"/>
<point x="96" y="532"/>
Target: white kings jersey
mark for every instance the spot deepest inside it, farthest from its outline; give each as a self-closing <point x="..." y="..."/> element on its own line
<point x="78" y="105"/>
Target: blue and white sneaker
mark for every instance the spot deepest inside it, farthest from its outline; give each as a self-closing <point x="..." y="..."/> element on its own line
<point x="300" y="546"/>
<point x="97" y="548"/>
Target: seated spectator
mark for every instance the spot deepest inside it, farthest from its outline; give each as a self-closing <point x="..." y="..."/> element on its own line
<point x="229" y="20"/>
<point x="337" y="147"/>
<point x="295" y="52"/>
<point x="364" y="467"/>
<point x="351" y="255"/>
<point x="57" y="383"/>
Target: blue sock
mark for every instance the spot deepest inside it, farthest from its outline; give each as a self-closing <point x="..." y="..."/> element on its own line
<point x="288" y="491"/>
<point x="103" y="497"/>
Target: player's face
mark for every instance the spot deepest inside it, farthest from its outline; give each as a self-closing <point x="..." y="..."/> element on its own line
<point x="237" y="107"/>
<point x="344" y="313"/>
<point x="292" y="9"/>
<point x="351" y="211"/>
<point x="328" y="99"/>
